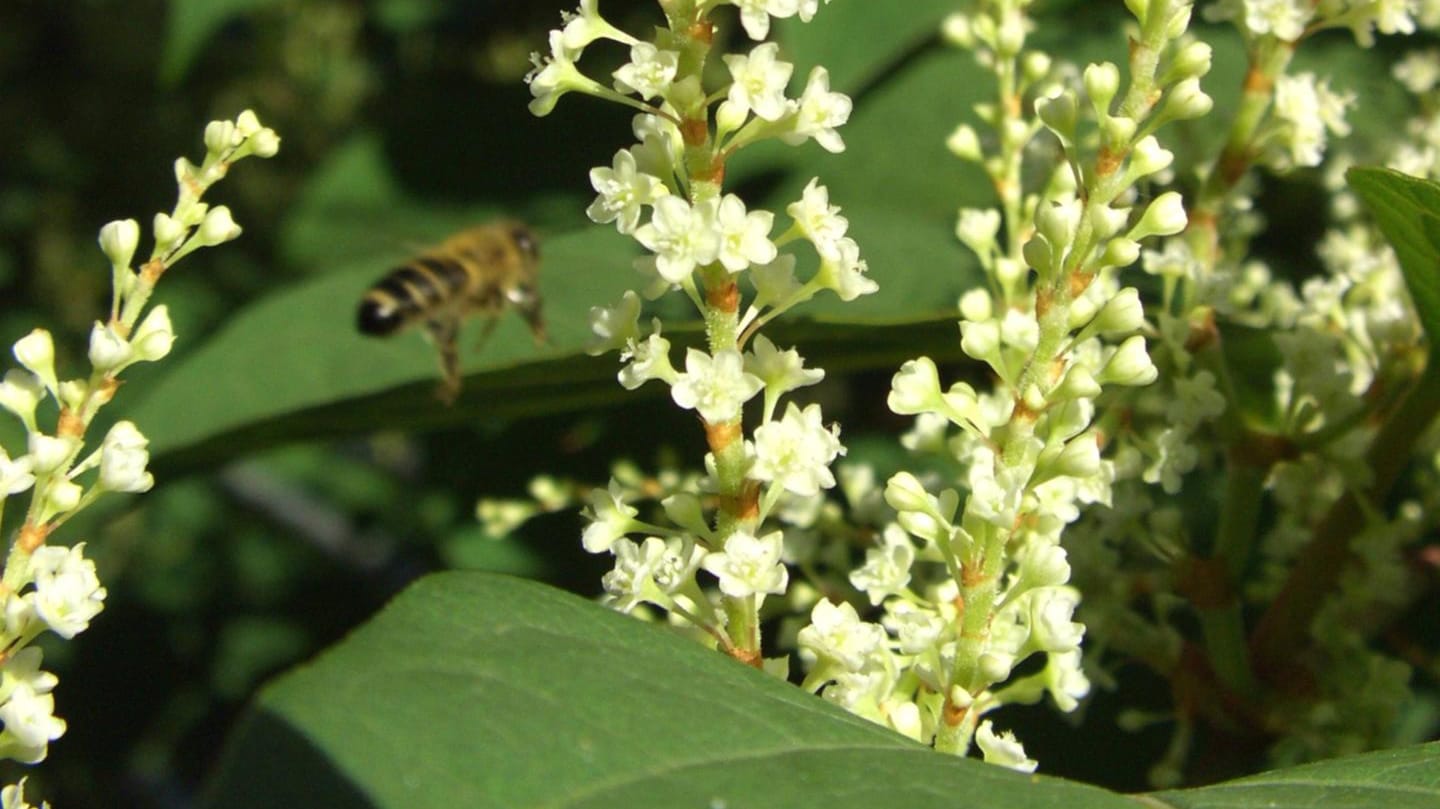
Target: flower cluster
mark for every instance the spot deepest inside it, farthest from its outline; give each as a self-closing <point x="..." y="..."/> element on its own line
<point x="55" y="588"/>
<point x="667" y="193"/>
<point x="971" y="577"/>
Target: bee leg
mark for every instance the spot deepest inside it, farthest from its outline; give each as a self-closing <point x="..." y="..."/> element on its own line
<point x="443" y="332"/>
<point x="527" y="300"/>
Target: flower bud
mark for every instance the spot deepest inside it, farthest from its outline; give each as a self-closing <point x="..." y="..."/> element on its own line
<point x="905" y="493"/>
<point x="167" y="230"/>
<point x="915" y="387"/>
<point x="265" y="143"/>
<point x="1185" y="101"/>
<point x="119" y="239"/>
<point x="20" y="393"/>
<point x="1120" y="253"/>
<point x="1056" y="221"/>
<point x="62" y="496"/>
<point x="153" y="339"/>
<point x="49" y="452"/>
<point x="1102" y="81"/>
<point x="1122" y="314"/>
<point x="995" y="666"/>
<point x="981" y="340"/>
<point x="1078" y="383"/>
<point x="1164" y="217"/>
<point x="1192" y="61"/>
<point x="186" y="172"/>
<point x="964" y="143"/>
<point x="247" y="123"/>
<point x="73" y="393"/>
<point x="1117" y="129"/>
<point x="1130" y="365"/>
<point x="957" y="31"/>
<point x="36" y="351"/>
<point x="218" y="227"/>
<point x="108" y="350"/>
<point x="1058" y="113"/>
<point x="123" y="456"/>
<point x="976" y="229"/>
<point x="221" y="135"/>
<point x="1034" y="65"/>
<point x="976" y="304"/>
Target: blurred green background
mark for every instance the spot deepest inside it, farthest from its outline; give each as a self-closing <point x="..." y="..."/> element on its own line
<point x="306" y="474"/>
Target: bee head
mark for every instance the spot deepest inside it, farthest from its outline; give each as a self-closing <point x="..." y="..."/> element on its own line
<point x="525" y="240"/>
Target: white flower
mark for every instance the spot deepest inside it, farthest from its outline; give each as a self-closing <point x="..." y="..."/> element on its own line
<point x="123" y="456"/>
<point x="614" y="326"/>
<point x="1305" y="108"/>
<point x="759" y="80"/>
<point x="781" y="371"/>
<point x="807" y="9"/>
<point x="655" y="565"/>
<point x="820" y="221"/>
<point x="749" y="565"/>
<point x="915" y="628"/>
<point x="838" y="637"/>
<point x="554" y="76"/>
<point x="649" y="72"/>
<point x="819" y="112"/>
<point x="1065" y="680"/>
<point x="755" y="14"/>
<point x="744" y="237"/>
<point x="681" y="237"/>
<point x="796" y="451"/>
<point x="775" y="282"/>
<point x="646" y="360"/>
<point x="1051" y="629"/>
<point x="585" y="25"/>
<point x="30" y="724"/>
<point x="1002" y="749"/>
<point x="886" y="571"/>
<point x="67" y="591"/>
<point x="610" y="518"/>
<point x="844" y="272"/>
<point x="623" y="189"/>
<point x="715" y="387"/>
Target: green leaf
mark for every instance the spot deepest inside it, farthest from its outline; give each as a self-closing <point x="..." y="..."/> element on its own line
<point x="1395" y="779"/>
<point x="478" y="690"/>
<point x="475" y="690"/>
<point x="1407" y="210"/>
<point x="191" y="25"/>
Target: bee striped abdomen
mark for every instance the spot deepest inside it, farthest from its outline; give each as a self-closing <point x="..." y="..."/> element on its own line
<point x="484" y="270"/>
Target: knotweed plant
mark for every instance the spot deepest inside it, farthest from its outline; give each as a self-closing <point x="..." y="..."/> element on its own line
<point x="1112" y="420"/>
<point x="45" y="585"/>
<point x="716" y="554"/>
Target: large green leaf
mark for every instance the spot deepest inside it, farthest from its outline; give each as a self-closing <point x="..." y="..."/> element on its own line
<point x="477" y="690"/>
<point x="1407" y="209"/>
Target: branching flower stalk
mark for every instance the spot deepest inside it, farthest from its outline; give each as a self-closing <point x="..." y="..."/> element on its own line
<point x="54" y="587"/>
<point x="1030" y="452"/>
<point x="667" y="192"/>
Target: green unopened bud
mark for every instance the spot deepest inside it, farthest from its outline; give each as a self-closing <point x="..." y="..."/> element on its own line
<point x="957" y="31"/>
<point x="1057" y="221"/>
<point x="1129" y="365"/>
<point x="73" y="393"/>
<point x="20" y="393"/>
<point x="1058" y="114"/>
<point x="167" y="231"/>
<point x="265" y="143"/>
<point x="904" y="492"/>
<point x="1010" y="35"/>
<point x="1164" y="217"/>
<point x="976" y="304"/>
<point x="964" y="143"/>
<point x="221" y="135"/>
<point x="61" y="497"/>
<point x="217" y="227"/>
<point x="36" y="351"/>
<point x="118" y="240"/>
<point x="1138" y="8"/>
<point x="1107" y="221"/>
<point x="1039" y="255"/>
<point x="1122" y="314"/>
<point x="1120" y="252"/>
<point x="1179" y="22"/>
<point x="1191" y="61"/>
<point x="1102" y="81"/>
<point x="247" y="124"/>
<point x="1117" y="129"/>
<point x="915" y="387"/>
<point x="1078" y="383"/>
<point x="1148" y="157"/>
<point x="684" y="509"/>
<point x="1034" y="65"/>
<point x="1185" y="101"/>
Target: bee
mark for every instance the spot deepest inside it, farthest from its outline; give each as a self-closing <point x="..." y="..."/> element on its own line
<point x="483" y="270"/>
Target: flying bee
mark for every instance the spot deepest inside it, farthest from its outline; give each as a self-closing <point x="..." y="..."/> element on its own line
<point x="483" y="270"/>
